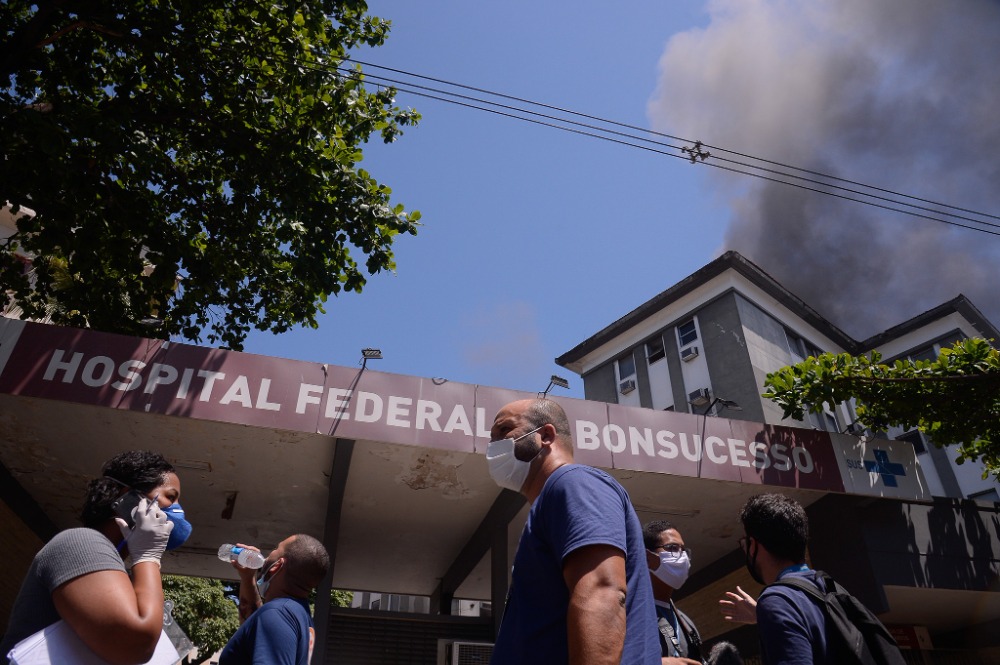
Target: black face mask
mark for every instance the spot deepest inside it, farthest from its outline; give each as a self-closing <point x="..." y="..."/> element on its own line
<point x="752" y="562"/>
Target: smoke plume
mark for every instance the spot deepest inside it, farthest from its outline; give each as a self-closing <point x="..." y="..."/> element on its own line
<point x="901" y="94"/>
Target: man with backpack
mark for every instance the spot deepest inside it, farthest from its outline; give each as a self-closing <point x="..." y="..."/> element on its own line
<point x="803" y="616"/>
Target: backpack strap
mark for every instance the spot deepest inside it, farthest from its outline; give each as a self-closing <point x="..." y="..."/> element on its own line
<point x="808" y="587"/>
<point x="691" y="635"/>
<point x="849" y="624"/>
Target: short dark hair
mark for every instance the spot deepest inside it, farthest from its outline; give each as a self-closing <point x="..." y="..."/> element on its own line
<point x="139" y="469"/>
<point x="779" y="523"/>
<point x="651" y="532"/>
<point x="545" y="411"/>
<point x="307" y="561"/>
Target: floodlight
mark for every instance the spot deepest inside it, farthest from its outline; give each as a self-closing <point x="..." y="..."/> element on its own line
<point x="555" y="381"/>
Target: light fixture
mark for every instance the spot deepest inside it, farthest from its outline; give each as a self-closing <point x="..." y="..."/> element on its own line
<point x="854" y="429"/>
<point x="555" y="381"/>
<point x="370" y="354"/>
<point x="726" y="404"/>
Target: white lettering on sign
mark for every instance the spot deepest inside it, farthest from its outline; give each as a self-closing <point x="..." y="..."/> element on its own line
<point x="671" y="445"/>
<point x="407" y="412"/>
<point x="97" y="371"/>
<point x="247" y="392"/>
<point x="428" y="413"/>
<point x="398" y="411"/>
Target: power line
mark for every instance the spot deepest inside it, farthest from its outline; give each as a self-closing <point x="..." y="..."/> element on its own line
<point x="669" y="136"/>
<point x="692" y="154"/>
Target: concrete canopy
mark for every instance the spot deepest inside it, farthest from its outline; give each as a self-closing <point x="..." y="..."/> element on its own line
<point x="407" y="511"/>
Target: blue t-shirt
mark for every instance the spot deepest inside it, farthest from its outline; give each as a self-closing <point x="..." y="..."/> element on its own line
<point x="578" y="506"/>
<point x="277" y="632"/>
<point x="791" y="625"/>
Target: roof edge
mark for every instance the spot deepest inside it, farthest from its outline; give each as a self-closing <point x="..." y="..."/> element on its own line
<point x="729" y="260"/>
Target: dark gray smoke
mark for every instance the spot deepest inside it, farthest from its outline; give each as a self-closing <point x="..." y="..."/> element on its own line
<point x="902" y="94"/>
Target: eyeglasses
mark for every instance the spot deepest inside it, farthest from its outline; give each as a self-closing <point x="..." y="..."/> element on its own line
<point x="674" y="549"/>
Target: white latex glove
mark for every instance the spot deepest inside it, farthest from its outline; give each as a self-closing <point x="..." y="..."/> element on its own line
<point x="148" y="539"/>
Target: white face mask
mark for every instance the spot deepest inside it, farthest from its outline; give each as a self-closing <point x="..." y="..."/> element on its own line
<point x="505" y="469"/>
<point x="673" y="570"/>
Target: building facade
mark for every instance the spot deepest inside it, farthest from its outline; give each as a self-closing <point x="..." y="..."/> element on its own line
<point x="706" y="345"/>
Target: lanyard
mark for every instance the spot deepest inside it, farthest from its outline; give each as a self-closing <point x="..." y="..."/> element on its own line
<point x="674" y="623"/>
<point x="797" y="568"/>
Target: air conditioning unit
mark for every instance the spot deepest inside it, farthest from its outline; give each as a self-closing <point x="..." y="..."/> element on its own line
<point x="700" y="397"/>
<point x="690" y="353"/>
<point x="626" y="386"/>
<point x="471" y="653"/>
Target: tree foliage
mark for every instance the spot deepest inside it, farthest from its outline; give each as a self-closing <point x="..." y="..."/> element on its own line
<point x="954" y="399"/>
<point x="214" y="140"/>
<point x="341" y="598"/>
<point x="202" y="610"/>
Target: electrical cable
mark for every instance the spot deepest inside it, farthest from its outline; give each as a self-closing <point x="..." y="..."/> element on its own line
<point x="397" y="83"/>
<point x="670" y="136"/>
<point x="692" y="154"/>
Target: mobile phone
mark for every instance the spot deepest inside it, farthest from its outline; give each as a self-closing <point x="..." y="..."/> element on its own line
<point x="125" y="504"/>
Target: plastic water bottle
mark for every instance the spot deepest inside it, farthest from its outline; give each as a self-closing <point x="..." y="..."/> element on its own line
<point x="244" y="556"/>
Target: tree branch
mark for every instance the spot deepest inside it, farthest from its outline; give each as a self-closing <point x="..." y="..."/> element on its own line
<point x="78" y="25"/>
<point x="988" y="378"/>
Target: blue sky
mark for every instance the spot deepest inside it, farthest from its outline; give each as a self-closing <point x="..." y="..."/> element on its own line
<point x="512" y="265"/>
<point x="534" y="239"/>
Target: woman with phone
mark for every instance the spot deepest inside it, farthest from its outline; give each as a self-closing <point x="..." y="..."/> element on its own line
<point x="131" y="513"/>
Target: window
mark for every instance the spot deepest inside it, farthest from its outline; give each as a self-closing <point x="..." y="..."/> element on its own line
<point x="986" y="495"/>
<point x="916" y="439"/>
<point x="799" y="347"/>
<point x="655" y="350"/>
<point x="626" y="366"/>
<point x="823" y="421"/>
<point x="687" y="332"/>
<point x="926" y="353"/>
<point x="932" y="351"/>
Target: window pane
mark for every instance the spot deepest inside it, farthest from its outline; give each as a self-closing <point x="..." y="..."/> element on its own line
<point x="626" y="366"/>
<point x="914" y="438"/>
<point x="687" y="332"/>
<point x="654" y="350"/>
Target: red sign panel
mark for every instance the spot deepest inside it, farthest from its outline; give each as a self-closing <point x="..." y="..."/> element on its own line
<point x="195" y="382"/>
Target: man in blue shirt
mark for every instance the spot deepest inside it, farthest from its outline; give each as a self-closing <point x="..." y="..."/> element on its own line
<point x="580" y="590"/>
<point x="276" y="626"/>
<point x="792" y="627"/>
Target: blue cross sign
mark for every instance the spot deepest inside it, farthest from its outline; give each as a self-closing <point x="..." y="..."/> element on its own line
<point x="883" y="467"/>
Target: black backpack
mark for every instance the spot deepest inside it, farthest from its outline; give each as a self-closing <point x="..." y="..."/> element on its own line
<point x="853" y="633"/>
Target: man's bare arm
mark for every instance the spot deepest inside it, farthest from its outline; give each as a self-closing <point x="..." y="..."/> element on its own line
<point x="595" y="619"/>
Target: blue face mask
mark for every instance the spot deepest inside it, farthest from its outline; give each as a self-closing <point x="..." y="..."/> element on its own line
<point x="264" y="582"/>
<point x="182" y="528"/>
